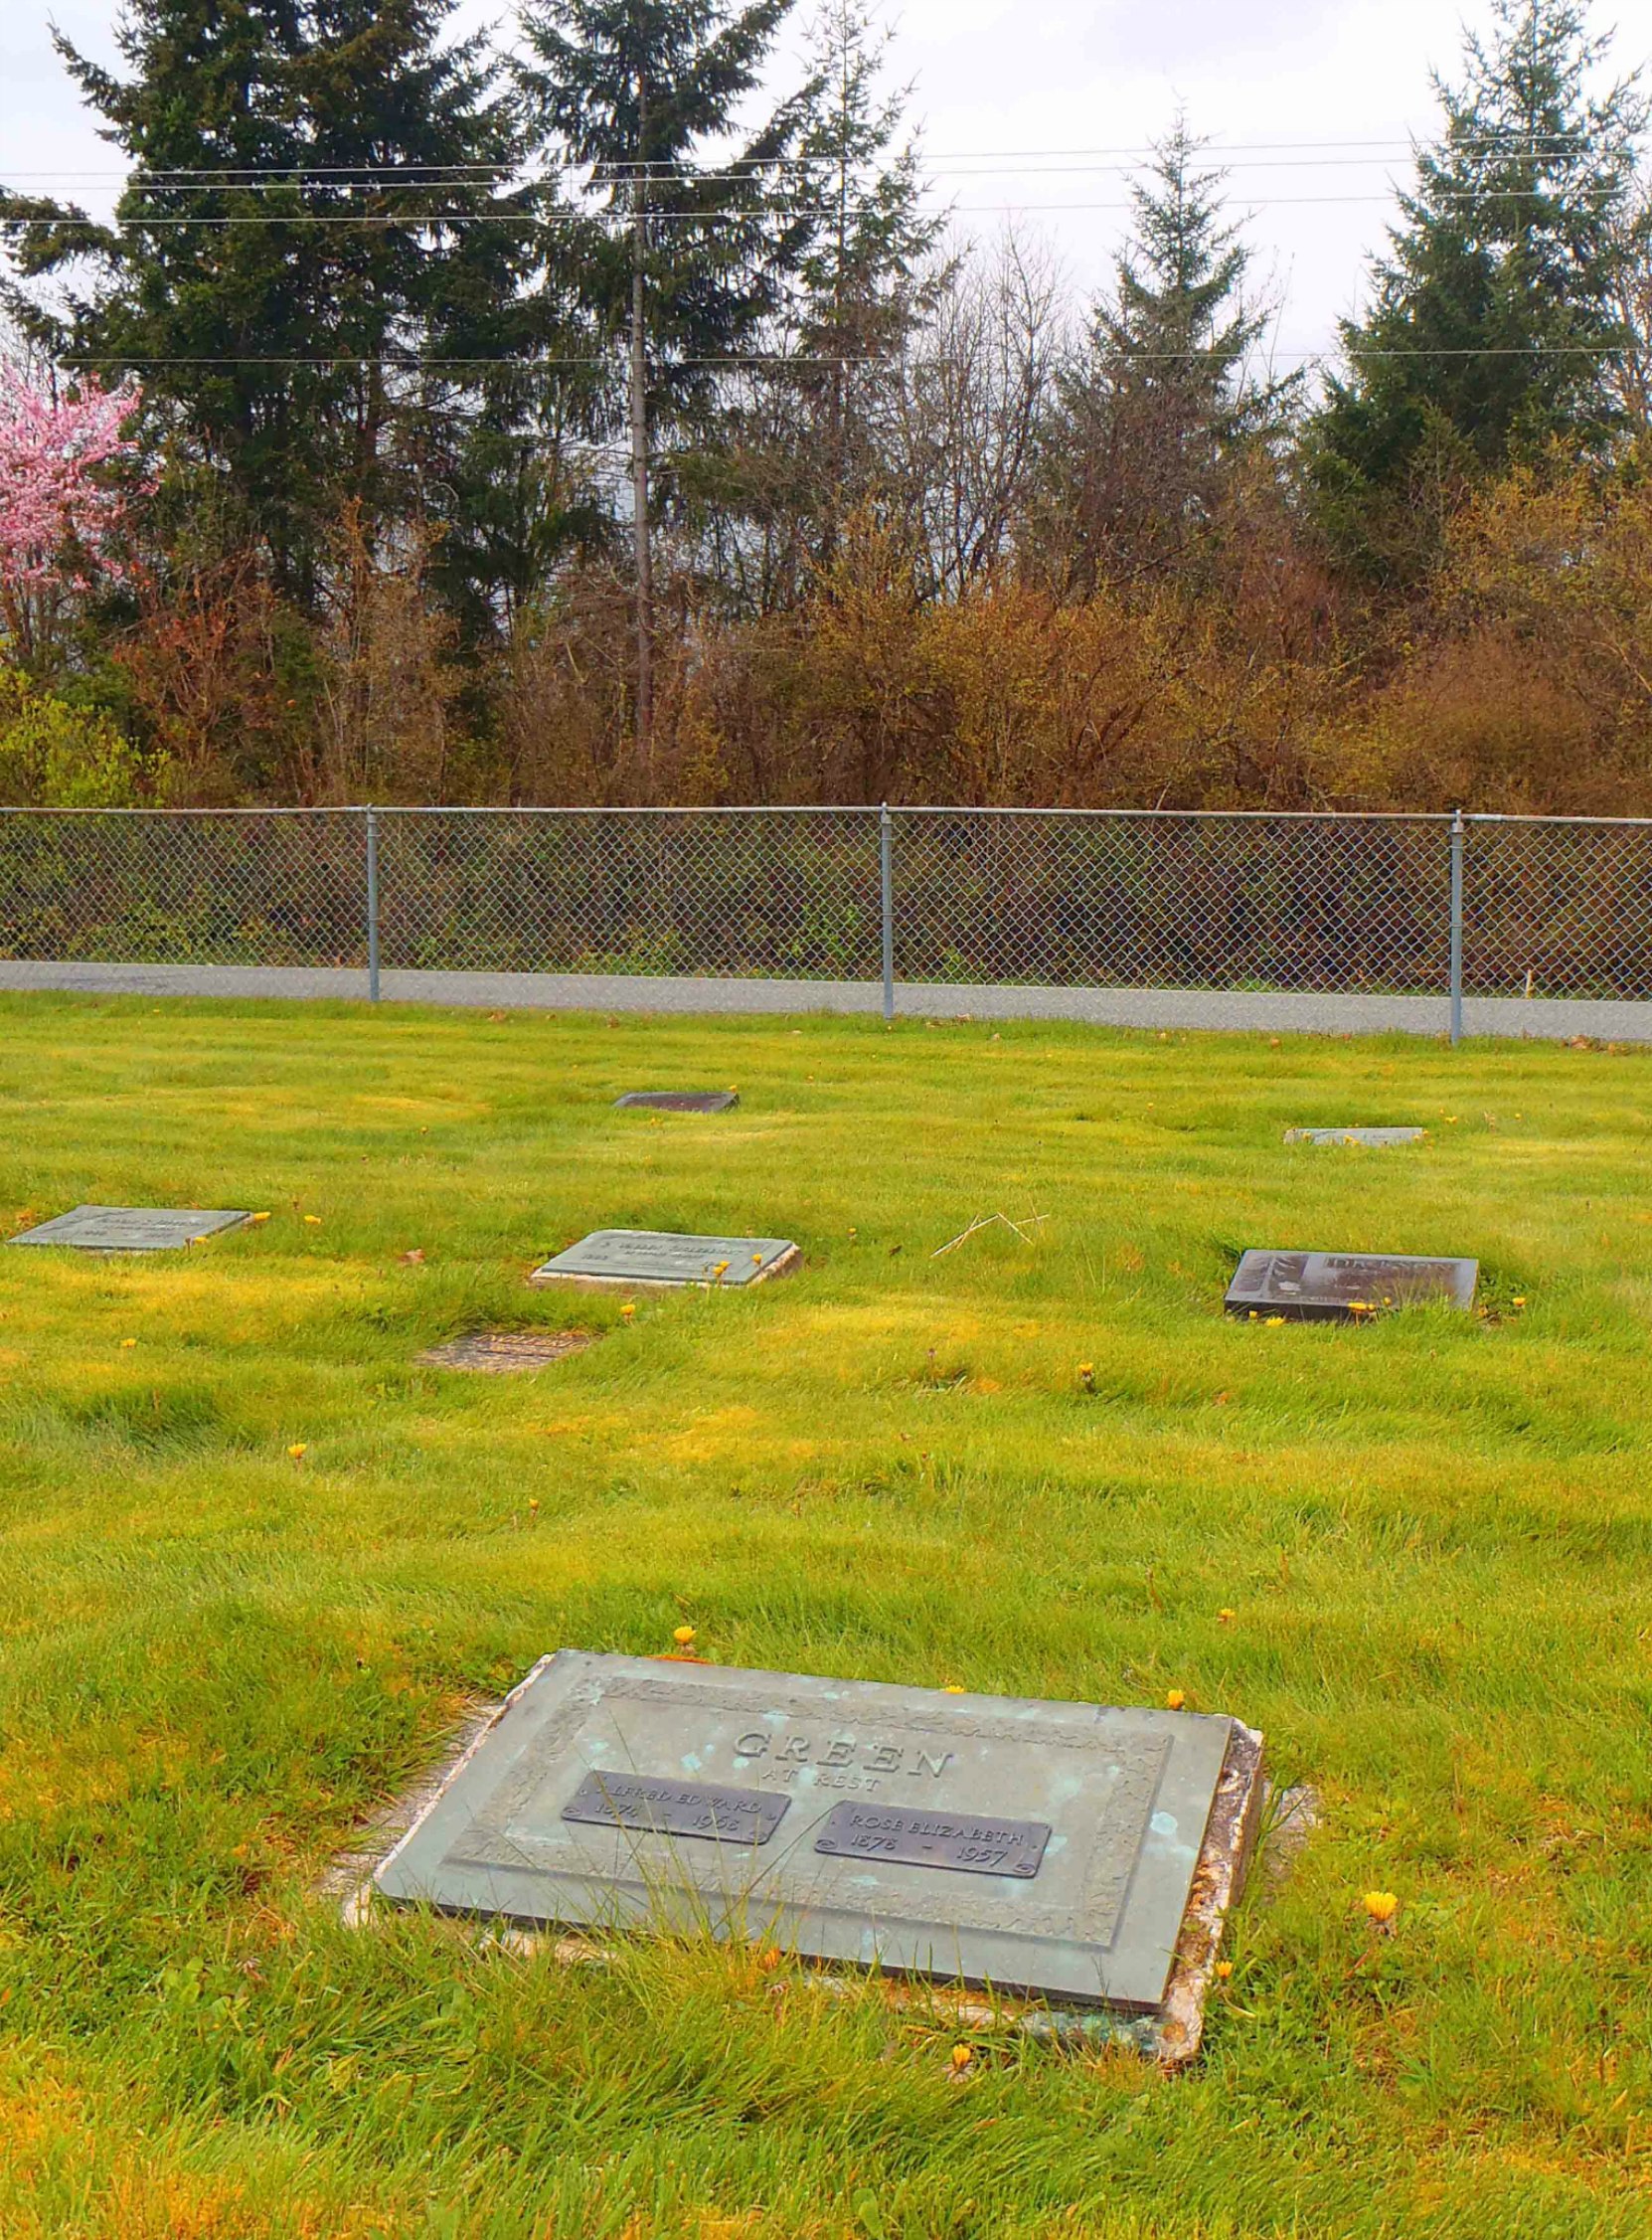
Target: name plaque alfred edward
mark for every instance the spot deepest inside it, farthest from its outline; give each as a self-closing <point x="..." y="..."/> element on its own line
<point x="634" y="1259"/>
<point x="1331" y="1287"/>
<point x="130" y="1228"/>
<point x="1040" y="1848"/>
<point x="1363" y="1138"/>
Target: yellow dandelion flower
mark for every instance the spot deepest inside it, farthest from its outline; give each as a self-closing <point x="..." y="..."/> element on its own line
<point x="1175" y="1700"/>
<point x="126" y="1345"/>
<point x="253" y="1217"/>
<point x="628" y="1311"/>
<point x="1223" y="1968"/>
<point x="297" y="1451"/>
<point x="1226" y="1616"/>
<point x="683" y="1637"/>
<point x="1274" y="1322"/>
<point x="312" y="1221"/>
<point x="1381" y="1905"/>
<point x="1520" y="1302"/>
<point x="962" y="2056"/>
<point x="953" y="1687"/>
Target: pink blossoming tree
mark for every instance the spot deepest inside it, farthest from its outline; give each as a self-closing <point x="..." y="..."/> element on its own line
<point x="60" y="511"/>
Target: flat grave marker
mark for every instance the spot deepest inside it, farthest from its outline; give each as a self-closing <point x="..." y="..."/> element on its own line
<point x="1051" y="1848"/>
<point x="1367" y="1138"/>
<point x="1329" y="1287"/>
<point x="641" y="1259"/>
<point x="677" y="1100"/>
<point x="117" y="1229"/>
<point x="499" y="1353"/>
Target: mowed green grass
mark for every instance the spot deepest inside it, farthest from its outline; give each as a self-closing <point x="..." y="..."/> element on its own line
<point x="1433" y="1535"/>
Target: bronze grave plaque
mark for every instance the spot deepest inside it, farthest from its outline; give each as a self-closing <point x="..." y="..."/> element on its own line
<point x="677" y="1100"/>
<point x="644" y="1259"/>
<point x="1331" y="1287"/>
<point x="677" y="1807"/>
<point x="118" y="1228"/>
<point x="963" y="1842"/>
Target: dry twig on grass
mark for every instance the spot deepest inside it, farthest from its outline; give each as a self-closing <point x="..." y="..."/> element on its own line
<point x="985" y="1221"/>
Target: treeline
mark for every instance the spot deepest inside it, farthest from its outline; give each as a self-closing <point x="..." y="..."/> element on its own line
<point x="532" y="426"/>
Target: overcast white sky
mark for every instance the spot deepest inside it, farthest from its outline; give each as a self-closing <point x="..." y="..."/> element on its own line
<point x="1002" y="77"/>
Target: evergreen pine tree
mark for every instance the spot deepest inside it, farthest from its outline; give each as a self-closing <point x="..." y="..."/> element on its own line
<point x="1161" y="401"/>
<point x="681" y="262"/>
<point x="318" y="230"/>
<point x="864" y="279"/>
<point x="798" y="451"/>
<point x="1498" y="311"/>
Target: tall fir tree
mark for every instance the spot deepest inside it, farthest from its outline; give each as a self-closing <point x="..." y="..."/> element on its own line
<point x="868" y="271"/>
<point x="802" y="448"/>
<point x="1498" y="313"/>
<point x="319" y="238"/>
<point x="1160" y="403"/>
<point x="684" y="252"/>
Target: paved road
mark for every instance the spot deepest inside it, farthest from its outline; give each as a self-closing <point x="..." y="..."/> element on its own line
<point x="1126" y="1008"/>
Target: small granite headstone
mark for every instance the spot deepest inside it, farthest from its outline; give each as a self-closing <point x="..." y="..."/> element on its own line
<point x="1329" y="1287"/>
<point x="1046" y="1848"/>
<point x="633" y="1259"/>
<point x="130" y="1228"/>
<point x="1373" y="1138"/>
<point x="677" y="1100"/>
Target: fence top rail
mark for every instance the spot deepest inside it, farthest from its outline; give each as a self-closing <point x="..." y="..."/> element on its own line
<point x="871" y="809"/>
<point x="25" y="809"/>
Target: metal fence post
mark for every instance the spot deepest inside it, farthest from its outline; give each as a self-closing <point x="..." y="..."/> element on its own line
<point x="886" y="894"/>
<point x="371" y="906"/>
<point x="1456" y="927"/>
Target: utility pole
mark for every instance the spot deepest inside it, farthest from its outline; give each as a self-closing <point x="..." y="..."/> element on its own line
<point x="639" y="439"/>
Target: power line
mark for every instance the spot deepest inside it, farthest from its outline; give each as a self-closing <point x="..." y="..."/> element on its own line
<point x="1217" y="153"/>
<point x="453" y="219"/>
<point x="343" y="182"/>
<point x="766" y="361"/>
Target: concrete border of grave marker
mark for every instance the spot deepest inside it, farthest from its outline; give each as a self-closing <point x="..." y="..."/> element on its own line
<point x="533" y="1757"/>
<point x="1172" y="2037"/>
<point x="677" y="1100"/>
<point x="618" y="1260"/>
<point x="132" y="1229"/>
<point x="1322" y="1286"/>
<point x="1356" y="1138"/>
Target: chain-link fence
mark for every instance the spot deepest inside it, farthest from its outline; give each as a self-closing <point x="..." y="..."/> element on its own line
<point x="1368" y="905"/>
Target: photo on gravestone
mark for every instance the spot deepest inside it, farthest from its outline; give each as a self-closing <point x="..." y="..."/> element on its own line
<point x="636" y="1259"/>
<point x="117" y="1229"/>
<point x="1367" y="1138"/>
<point x="1043" y="1849"/>
<point x="1325" y="1287"/>
<point x="677" y="1100"/>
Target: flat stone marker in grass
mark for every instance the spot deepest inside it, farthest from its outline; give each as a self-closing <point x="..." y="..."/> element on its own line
<point x="642" y="1259"/>
<point x="1331" y="1287"/>
<point x="677" y="1100"/>
<point x="1371" y="1138"/>
<point x="130" y="1228"/>
<point x="499" y="1353"/>
<point x="1062" y="1849"/>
